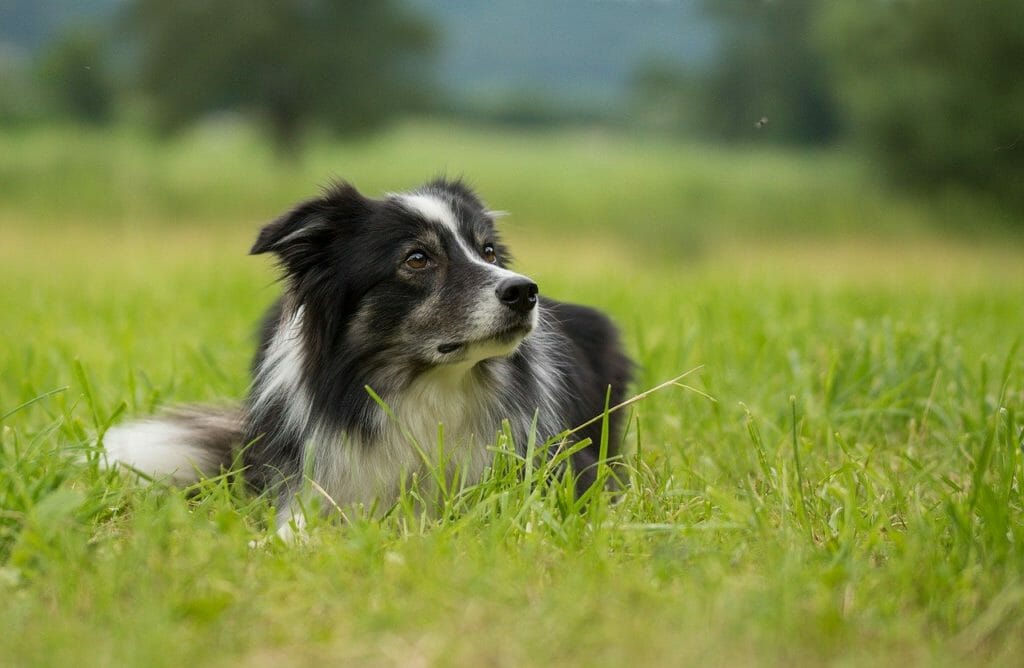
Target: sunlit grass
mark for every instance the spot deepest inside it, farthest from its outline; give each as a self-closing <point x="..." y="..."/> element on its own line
<point x="851" y="495"/>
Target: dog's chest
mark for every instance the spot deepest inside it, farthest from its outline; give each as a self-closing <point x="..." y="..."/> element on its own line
<point x="436" y="427"/>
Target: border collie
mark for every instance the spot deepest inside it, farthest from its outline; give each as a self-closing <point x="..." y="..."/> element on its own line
<point x="408" y="298"/>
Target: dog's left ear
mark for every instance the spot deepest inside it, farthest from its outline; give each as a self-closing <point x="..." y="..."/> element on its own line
<point x="310" y="225"/>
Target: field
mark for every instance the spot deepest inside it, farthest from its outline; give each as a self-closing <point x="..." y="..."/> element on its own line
<point x="839" y="482"/>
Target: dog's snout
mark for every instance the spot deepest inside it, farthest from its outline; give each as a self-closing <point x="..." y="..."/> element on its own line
<point x="518" y="293"/>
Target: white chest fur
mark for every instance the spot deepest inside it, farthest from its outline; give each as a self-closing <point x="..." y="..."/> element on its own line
<point x="440" y="427"/>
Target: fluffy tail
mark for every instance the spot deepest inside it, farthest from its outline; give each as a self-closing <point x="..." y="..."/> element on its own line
<point x="181" y="446"/>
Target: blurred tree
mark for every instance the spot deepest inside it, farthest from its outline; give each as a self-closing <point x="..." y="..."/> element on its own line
<point x="19" y="97"/>
<point x="664" y="96"/>
<point x="769" y="78"/>
<point x="935" y="88"/>
<point x="75" y="75"/>
<point x="349" y="65"/>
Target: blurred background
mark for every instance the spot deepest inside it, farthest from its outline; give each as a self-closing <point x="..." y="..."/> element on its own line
<point x="684" y="122"/>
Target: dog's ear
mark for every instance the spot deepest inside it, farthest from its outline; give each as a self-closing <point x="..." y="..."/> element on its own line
<point x="301" y="221"/>
<point x="310" y="226"/>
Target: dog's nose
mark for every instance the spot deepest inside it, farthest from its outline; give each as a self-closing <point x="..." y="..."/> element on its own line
<point x="518" y="293"/>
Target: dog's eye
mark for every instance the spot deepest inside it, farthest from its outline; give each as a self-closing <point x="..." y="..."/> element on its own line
<point x="489" y="254"/>
<point x="417" y="260"/>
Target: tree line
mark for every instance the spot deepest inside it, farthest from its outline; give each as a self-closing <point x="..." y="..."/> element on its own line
<point x="931" y="88"/>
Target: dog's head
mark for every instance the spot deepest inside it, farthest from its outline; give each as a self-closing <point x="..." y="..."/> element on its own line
<point x="419" y="277"/>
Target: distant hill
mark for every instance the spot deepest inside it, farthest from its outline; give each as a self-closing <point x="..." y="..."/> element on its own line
<point x="574" y="52"/>
<point x="31" y="24"/>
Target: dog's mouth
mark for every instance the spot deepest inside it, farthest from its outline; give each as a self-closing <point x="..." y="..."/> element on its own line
<point x="504" y="337"/>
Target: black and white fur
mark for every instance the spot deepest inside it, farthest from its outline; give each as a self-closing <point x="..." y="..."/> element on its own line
<point x="411" y="296"/>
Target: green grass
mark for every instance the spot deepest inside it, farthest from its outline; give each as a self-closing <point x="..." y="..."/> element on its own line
<point x="853" y="494"/>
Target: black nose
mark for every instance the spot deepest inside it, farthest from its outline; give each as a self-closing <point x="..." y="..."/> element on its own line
<point x="519" y="293"/>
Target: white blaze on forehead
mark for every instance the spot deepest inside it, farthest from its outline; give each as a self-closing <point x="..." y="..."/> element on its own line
<point x="433" y="209"/>
<point x="436" y="210"/>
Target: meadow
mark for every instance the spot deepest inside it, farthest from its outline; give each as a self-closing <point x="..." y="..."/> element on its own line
<point x="838" y="480"/>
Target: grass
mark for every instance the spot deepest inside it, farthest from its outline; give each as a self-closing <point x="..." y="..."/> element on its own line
<point x="852" y="495"/>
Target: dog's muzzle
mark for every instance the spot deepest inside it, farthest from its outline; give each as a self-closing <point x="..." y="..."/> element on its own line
<point x="519" y="294"/>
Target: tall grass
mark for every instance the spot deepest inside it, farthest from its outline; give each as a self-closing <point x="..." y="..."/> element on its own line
<point x="848" y="491"/>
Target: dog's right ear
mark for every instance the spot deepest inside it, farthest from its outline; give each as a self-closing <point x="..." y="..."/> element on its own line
<point x="310" y="227"/>
<point x="300" y="222"/>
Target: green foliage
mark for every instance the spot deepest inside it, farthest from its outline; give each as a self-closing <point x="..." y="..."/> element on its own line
<point x="934" y="89"/>
<point x="348" y="65"/>
<point x="74" y="71"/>
<point x="664" y="98"/>
<point x="769" y="68"/>
<point x="20" y="99"/>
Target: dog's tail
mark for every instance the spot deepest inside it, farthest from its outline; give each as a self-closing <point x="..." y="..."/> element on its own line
<point x="180" y="446"/>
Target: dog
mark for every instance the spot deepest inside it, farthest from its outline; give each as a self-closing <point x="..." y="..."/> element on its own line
<point x="400" y="325"/>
